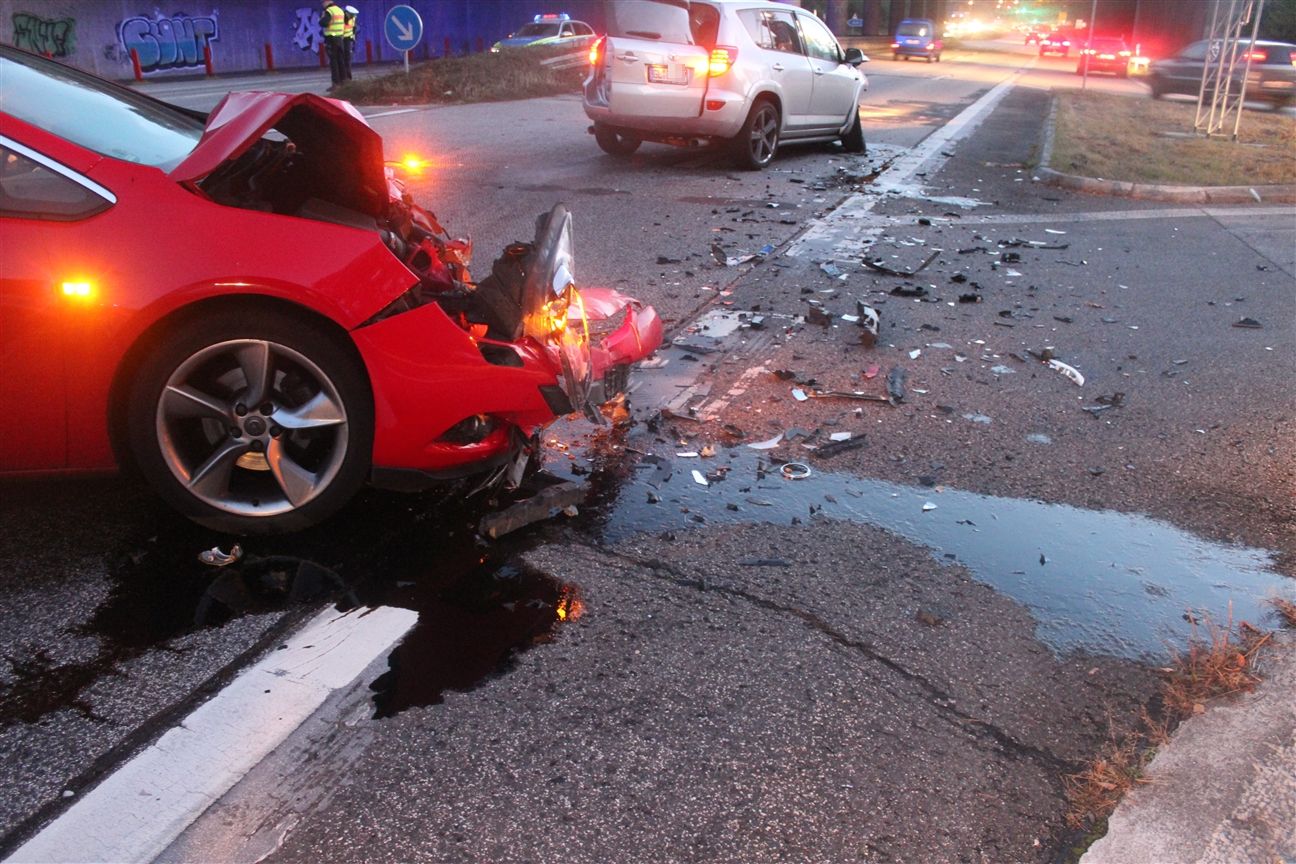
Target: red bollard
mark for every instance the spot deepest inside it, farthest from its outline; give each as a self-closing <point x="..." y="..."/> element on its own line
<point x="269" y="55"/>
<point x="139" y="72"/>
<point x="207" y="60"/>
<point x="323" y="58"/>
<point x="481" y="44"/>
<point x="446" y="53"/>
<point x="368" y="52"/>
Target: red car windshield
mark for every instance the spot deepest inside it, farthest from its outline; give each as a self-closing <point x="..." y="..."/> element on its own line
<point x="93" y="113"/>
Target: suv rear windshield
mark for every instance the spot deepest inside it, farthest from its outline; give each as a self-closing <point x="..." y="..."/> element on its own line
<point x="664" y="20"/>
<point x="913" y="28"/>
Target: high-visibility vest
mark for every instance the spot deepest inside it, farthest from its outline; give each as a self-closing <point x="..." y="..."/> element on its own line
<point x="348" y="28"/>
<point x="334" y="26"/>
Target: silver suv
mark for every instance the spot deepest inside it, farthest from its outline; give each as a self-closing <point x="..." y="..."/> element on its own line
<point x="747" y="72"/>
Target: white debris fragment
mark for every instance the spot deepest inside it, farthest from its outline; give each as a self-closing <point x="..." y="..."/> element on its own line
<point x="1069" y="371"/>
<point x="840" y="436"/>
<point x="928" y="507"/>
<point x="700" y="478"/>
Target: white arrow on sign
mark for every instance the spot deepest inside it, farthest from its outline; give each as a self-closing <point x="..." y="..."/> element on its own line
<point x="406" y="31"/>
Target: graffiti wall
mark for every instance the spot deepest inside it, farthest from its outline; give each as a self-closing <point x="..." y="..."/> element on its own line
<point x="175" y="37"/>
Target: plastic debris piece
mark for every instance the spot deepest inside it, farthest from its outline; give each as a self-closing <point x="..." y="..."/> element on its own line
<point x="765" y="250"/>
<point x="799" y="395"/>
<point x="768" y="444"/>
<point x="872" y="371"/>
<point x="978" y="418"/>
<point x="928" y="507"/>
<point x="839" y="436"/>
<point x="832" y="270"/>
<point x="896" y="384"/>
<point x="909" y="291"/>
<point x="1069" y="371"/>
<point x="1002" y="370"/>
<point x="546" y="503"/>
<point x="699" y="478"/>
<point x="688" y="454"/>
<point x="1248" y="324"/>
<point x="969" y="298"/>
<point x="1039" y="438"/>
<point x="890" y="271"/>
<point x="915" y="354"/>
<point x="834" y="447"/>
<point x="870" y="321"/>
<point x="215" y="557"/>
<point x="816" y="315"/>
<point x="763" y="562"/>
<point x="1053" y="231"/>
<point x="795" y="470"/>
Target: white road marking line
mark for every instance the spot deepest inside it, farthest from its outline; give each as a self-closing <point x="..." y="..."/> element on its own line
<point x="873" y="221"/>
<point x="136" y="812"/>
<point x="841" y="230"/>
<point x="390" y="113"/>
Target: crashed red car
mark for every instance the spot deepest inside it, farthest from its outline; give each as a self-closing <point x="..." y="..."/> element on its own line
<point x="249" y="309"/>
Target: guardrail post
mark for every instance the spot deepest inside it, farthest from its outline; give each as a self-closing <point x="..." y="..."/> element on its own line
<point x="368" y="51"/>
<point x="269" y="55"/>
<point x="207" y="59"/>
<point x="139" y="71"/>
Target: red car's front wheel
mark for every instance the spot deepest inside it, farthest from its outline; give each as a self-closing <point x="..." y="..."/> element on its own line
<point x="252" y="422"/>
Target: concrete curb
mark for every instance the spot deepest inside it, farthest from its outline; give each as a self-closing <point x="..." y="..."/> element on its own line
<point x="1224" y="788"/>
<point x="1285" y="193"/>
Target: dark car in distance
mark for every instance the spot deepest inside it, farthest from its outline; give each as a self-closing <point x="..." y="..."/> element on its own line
<point x="1058" y="42"/>
<point x="1272" y="75"/>
<point x="1105" y="54"/>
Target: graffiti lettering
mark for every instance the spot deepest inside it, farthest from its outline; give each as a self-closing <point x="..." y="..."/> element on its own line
<point x="308" y="35"/>
<point x="168" y="43"/>
<point x="33" y="33"/>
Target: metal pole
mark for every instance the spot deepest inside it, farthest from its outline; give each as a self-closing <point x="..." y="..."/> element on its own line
<point x="1084" y="57"/>
<point x="406" y="53"/>
<point x="1246" y="73"/>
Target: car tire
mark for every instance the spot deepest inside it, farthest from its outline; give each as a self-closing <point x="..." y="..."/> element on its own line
<point x="895" y="58"/>
<point x="296" y="395"/>
<point x="756" y="143"/>
<point x="615" y="142"/>
<point x="1154" y="85"/>
<point x="853" y="140"/>
<point x="1122" y="73"/>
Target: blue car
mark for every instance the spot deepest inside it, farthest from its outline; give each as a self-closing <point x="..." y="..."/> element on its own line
<point x="548" y="29"/>
<point x="917" y="37"/>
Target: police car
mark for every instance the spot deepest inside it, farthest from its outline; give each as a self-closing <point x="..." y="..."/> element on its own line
<point x="552" y="28"/>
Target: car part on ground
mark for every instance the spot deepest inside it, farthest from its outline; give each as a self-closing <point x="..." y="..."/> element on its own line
<point x="690" y="74"/>
<point x="258" y="384"/>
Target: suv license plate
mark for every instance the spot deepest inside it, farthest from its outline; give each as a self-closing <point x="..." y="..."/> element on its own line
<point x="660" y="73"/>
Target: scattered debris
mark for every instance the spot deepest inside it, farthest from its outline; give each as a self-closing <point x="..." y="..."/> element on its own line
<point x="1248" y="324"/>
<point x="928" y="507"/>
<point x="872" y="371"/>
<point x="890" y="271"/>
<point x="1039" y="438"/>
<point x="763" y="562"/>
<point x="699" y="478"/>
<point x="1003" y="370"/>
<point x="545" y="504"/>
<point x="978" y="418"/>
<point x="799" y="395"/>
<point x="870" y="321"/>
<point x="816" y="315"/>
<point x="896" y="383"/>
<point x="832" y="270"/>
<point x="1069" y="371"/>
<point x="909" y="291"/>
<point x="840" y="446"/>
<point x="215" y="557"/>
<point x="795" y="470"/>
<point x="768" y="444"/>
<point x="915" y="354"/>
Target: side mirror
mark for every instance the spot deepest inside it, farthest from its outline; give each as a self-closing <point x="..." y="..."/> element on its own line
<point x="855" y="56"/>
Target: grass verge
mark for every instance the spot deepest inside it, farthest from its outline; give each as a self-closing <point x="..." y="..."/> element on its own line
<point x="485" y="77"/>
<point x="1219" y="663"/>
<point x="1140" y="140"/>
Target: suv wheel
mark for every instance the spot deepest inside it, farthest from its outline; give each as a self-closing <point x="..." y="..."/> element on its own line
<point x="614" y="141"/>
<point x="853" y="140"/>
<point x="755" y="145"/>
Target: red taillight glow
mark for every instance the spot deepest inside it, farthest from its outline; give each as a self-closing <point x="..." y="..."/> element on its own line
<point x="596" y="51"/>
<point x="895" y="44"/>
<point x="722" y="57"/>
<point x="715" y="104"/>
<point x="1125" y="54"/>
<point x="1258" y="56"/>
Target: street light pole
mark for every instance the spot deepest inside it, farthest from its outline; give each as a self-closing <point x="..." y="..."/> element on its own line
<point x="1085" y="55"/>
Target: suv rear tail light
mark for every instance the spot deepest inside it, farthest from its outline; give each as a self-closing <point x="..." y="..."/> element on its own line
<point x="1259" y="56"/>
<point x="722" y="57"/>
<point x="596" y="52"/>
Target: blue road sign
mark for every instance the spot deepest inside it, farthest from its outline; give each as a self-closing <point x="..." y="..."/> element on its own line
<point x="856" y="22"/>
<point x="403" y="28"/>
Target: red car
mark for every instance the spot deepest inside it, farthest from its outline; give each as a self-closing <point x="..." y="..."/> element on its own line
<point x="249" y="309"/>
<point x="1058" y="42"/>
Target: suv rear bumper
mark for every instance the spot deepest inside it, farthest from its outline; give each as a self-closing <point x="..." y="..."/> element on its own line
<point x="724" y="122"/>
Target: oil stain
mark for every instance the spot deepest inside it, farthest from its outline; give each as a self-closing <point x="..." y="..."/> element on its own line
<point x="1098" y="581"/>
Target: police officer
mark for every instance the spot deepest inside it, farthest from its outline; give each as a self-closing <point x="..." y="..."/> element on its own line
<point x="349" y="38"/>
<point x="332" y="22"/>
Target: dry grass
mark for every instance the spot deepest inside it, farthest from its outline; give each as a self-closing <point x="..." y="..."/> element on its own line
<point x="484" y="77"/>
<point x="1123" y="138"/>
<point x="1286" y="611"/>
<point x="1220" y="663"/>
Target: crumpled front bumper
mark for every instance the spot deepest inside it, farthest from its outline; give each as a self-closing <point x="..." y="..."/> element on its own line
<point x="428" y="375"/>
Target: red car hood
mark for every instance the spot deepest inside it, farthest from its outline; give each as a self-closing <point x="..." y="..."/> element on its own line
<point x="312" y="123"/>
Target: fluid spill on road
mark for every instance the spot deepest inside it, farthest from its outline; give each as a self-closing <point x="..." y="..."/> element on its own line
<point x="475" y="611"/>
<point x="1098" y="581"/>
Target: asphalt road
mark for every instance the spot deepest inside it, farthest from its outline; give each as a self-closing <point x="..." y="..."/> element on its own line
<point x="753" y="670"/>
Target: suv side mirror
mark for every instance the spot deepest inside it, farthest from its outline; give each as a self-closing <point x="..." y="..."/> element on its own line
<point x="855" y="56"/>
